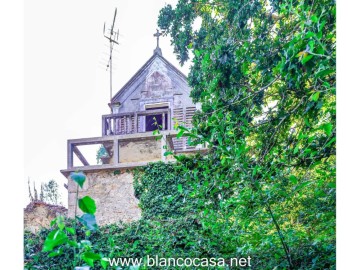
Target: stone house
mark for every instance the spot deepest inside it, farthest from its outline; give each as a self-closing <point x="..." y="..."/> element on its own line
<point x="155" y="98"/>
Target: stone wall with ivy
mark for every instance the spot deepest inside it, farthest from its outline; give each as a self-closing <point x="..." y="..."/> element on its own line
<point x="168" y="226"/>
<point x="185" y="215"/>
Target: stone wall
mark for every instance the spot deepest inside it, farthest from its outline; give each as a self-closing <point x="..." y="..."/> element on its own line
<point x="113" y="194"/>
<point x="38" y="215"/>
<point x="139" y="151"/>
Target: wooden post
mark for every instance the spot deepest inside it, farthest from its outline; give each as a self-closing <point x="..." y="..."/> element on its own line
<point x="116" y="156"/>
<point x="103" y="126"/>
<point x="77" y="152"/>
<point x="128" y="123"/>
<point x="169" y="120"/>
<point x="111" y="126"/>
<point x="163" y="121"/>
<point x="170" y="142"/>
<point x="136" y="123"/>
<point x="70" y="158"/>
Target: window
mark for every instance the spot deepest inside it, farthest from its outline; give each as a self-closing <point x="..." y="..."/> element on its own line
<point x="155" y="121"/>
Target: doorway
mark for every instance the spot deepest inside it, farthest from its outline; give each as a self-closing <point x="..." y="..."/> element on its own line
<point x="155" y="121"/>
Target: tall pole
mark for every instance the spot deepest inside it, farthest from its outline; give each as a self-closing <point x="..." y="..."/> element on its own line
<point x="113" y="38"/>
<point x="110" y="59"/>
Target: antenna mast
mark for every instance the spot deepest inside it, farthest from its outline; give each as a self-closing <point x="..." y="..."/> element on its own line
<point x="113" y="38"/>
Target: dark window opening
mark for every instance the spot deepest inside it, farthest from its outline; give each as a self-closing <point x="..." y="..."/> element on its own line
<point x="154" y="122"/>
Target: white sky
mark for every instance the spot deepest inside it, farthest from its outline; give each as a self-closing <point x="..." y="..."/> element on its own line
<point x="66" y="86"/>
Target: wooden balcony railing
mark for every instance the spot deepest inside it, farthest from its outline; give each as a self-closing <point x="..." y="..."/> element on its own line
<point x="111" y="144"/>
<point x="130" y="123"/>
<point x="124" y="132"/>
<point x="113" y="147"/>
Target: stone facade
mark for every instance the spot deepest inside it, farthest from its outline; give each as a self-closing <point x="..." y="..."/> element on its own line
<point x="113" y="194"/>
<point x="137" y="151"/>
<point x="158" y="81"/>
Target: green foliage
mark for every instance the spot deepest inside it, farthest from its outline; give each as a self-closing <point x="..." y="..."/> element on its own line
<point x="78" y="177"/>
<point x="35" y="258"/>
<point x="101" y="153"/>
<point x="87" y="205"/>
<point x="63" y="237"/>
<point x="264" y="73"/>
<point x="183" y="222"/>
<point x="50" y="192"/>
<point x="162" y="199"/>
<point x="169" y="227"/>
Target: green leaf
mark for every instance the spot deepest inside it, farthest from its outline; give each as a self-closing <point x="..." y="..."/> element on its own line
<point x="327" y="128"/>
<point x="92" y="255"/>
<point x="104" y="262"/>
<point x="54" y="239"/>
<point x="315" y="96"/>
<point x="309" y="34"/>
<point x="89" y="261"/>
<point x="302" y="185"/>
<point x="85" y="243"/>
<point x="332" y="185"/>
<point x="116" y="172"/>
<point x="78" y="177"/>
<point x="314" y="18"/>
<point x="179" y="135"/>
<point x="180" y="188"/>
<point x="311" y="45"/>
<point x="73" y="243"/>
<point x="87" y="205"/>
<point x="306" y="58"/>
<point x="324" y="72"/>
<point x="89" y="221"/>
<point x="55" y="253"/>
<point x="168" y="153"/>
<point x="330" y="142"/>
<point x="70" y="230"/>
<point x="254" y="171"/>
<point x="293" y="179"/>
<point x="60" y="222"/>
<point x="53" y="222"/>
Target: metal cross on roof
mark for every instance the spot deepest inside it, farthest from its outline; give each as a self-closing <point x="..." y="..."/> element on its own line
<point x="157" y="35"/>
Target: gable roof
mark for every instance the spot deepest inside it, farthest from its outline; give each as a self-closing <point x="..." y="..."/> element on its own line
<point x="143" y="69"/>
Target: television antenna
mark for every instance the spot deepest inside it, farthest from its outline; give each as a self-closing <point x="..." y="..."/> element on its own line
<point x="113" y="37"/>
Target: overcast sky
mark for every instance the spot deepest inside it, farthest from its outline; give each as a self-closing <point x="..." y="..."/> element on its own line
<point x="66" y="82"/>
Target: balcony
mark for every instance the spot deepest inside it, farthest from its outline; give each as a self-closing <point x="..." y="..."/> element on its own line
<point x="136" y="122"/>
<point x="129" y="144"/>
